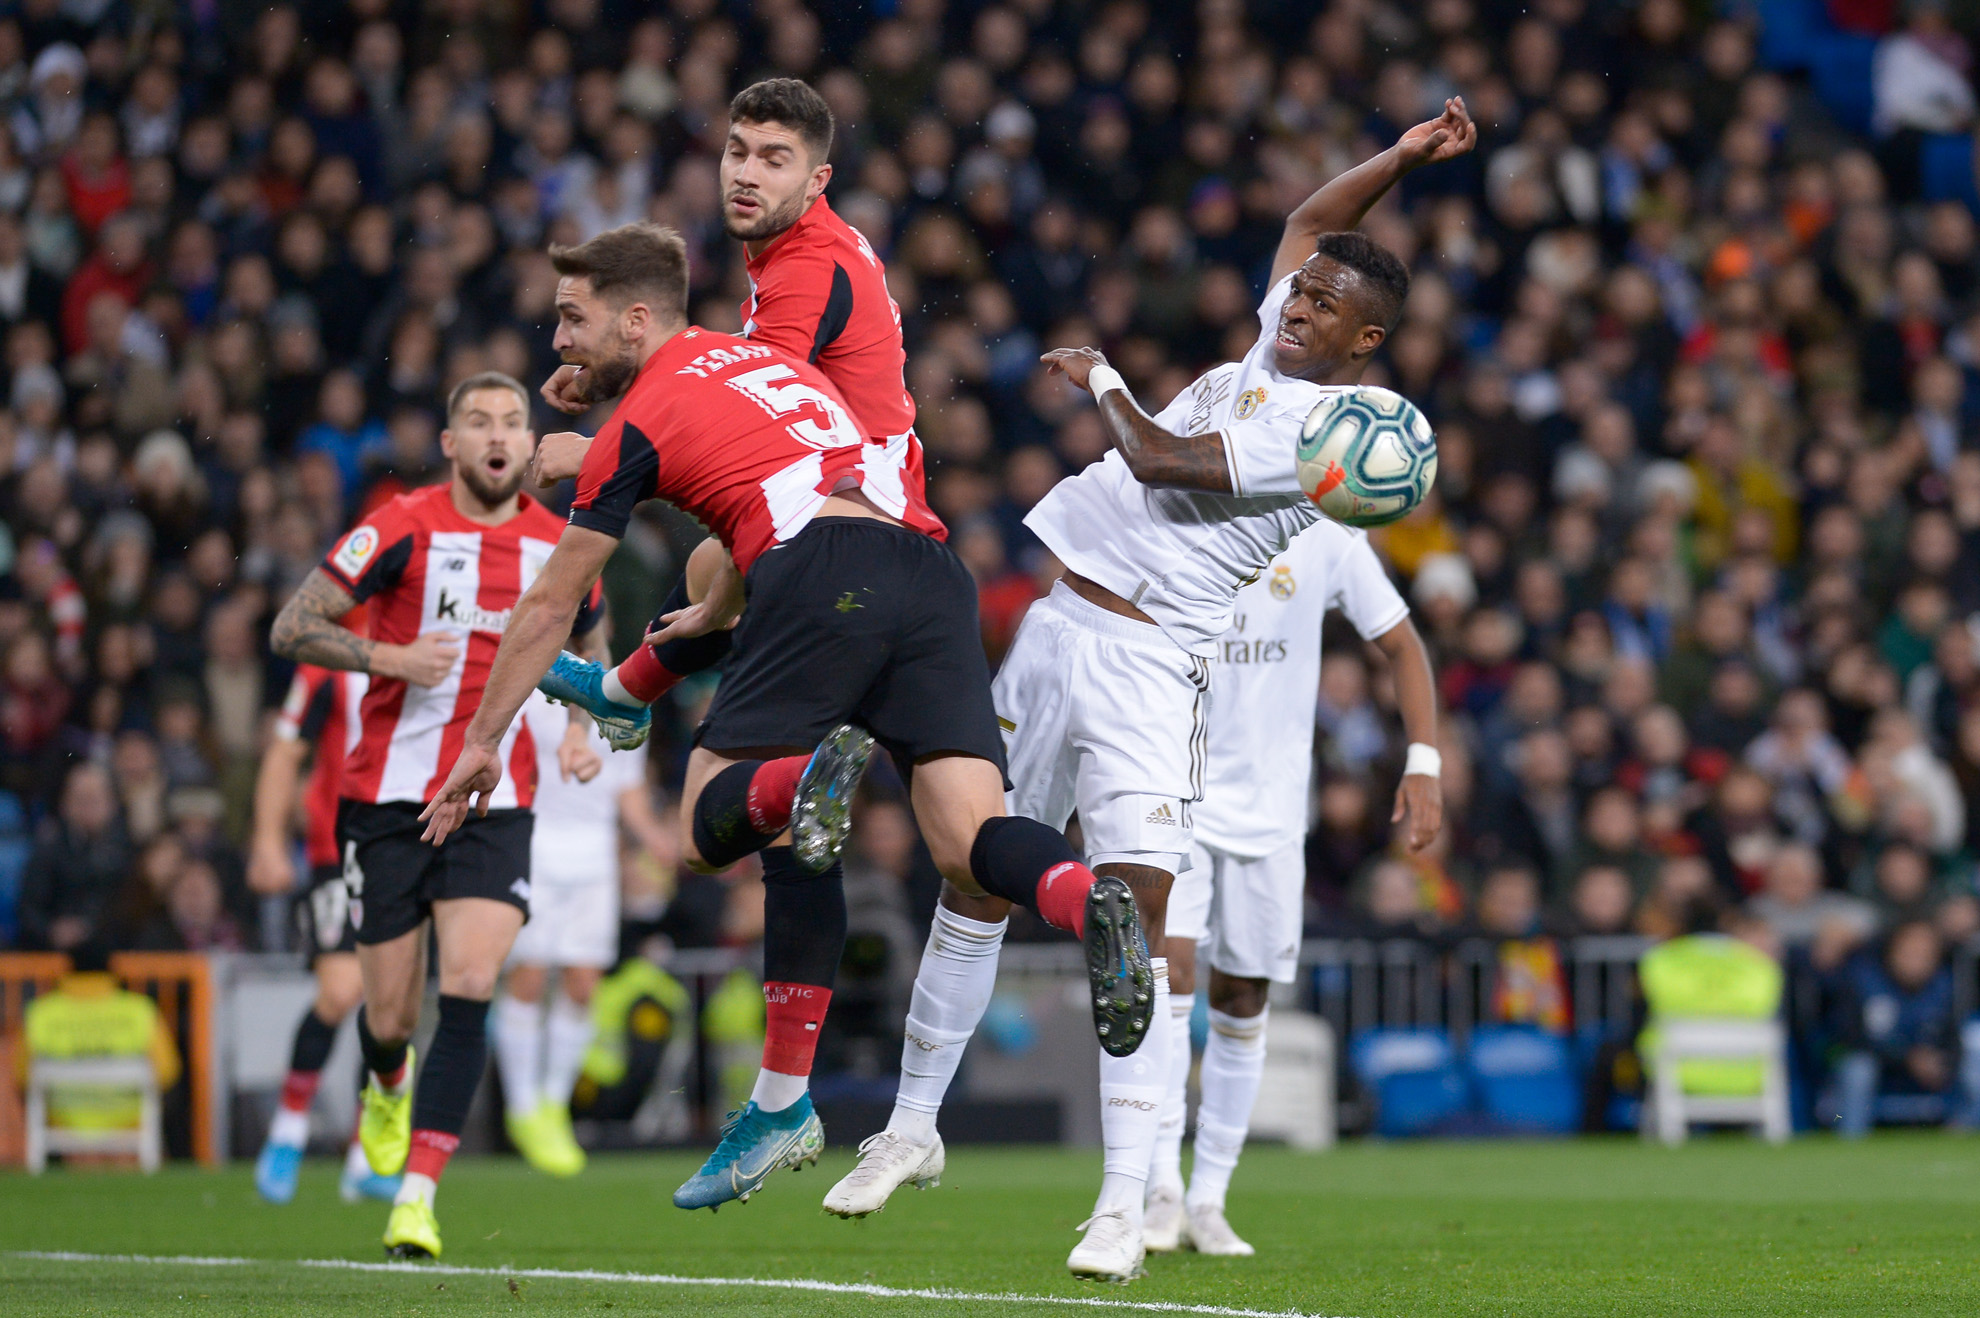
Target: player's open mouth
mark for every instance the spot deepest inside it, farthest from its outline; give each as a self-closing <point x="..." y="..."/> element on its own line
<point x="1288" y="339"/>
<point x="497" y="465"/>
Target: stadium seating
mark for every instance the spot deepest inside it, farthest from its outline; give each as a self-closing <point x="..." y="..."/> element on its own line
<point x="1524" y="1079"/>
<point x="1414" y="1078"/>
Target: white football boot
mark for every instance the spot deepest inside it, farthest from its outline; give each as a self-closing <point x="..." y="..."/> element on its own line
<point x="886" y="1163"/>
<point x="1209" y="1233"/>
<point x="1162" y="1222"/>
<point x="1110" y="1251"/>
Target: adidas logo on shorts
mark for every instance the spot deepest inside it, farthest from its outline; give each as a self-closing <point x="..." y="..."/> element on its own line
<point x="1161" y="814"/>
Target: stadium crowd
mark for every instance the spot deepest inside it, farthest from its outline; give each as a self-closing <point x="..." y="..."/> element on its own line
<point x="1700" y="571"/>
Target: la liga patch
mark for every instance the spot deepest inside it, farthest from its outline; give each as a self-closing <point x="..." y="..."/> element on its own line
<point x="356" y="551"/>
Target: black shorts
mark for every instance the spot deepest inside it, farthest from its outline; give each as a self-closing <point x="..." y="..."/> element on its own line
<point x="393" y="878"/>
<point x="858" y="621"/>
<point x="324" y="914"/>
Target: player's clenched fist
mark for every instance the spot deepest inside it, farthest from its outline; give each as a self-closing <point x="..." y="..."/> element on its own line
<point x="564" y="390"/>
<point x="1076" y="364"/>
<point x="559" y="457"/>
<point x="426" y="660"/>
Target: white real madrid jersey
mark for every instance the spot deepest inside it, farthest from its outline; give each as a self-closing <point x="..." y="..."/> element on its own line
<point x="1178" y="555"/>
<point x="1268" y="684"/>
<point x="577" y="812"/>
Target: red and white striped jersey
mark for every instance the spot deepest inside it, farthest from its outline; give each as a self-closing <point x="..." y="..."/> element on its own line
<point x="425" y="568"/>
<point x="747" y="438"/>
<point x="321" y="708"/>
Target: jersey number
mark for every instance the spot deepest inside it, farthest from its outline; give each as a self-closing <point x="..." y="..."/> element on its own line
<point x="766" y="389"/>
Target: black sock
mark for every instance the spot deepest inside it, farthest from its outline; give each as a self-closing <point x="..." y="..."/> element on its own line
<point x="692" y="654"/>
<point x="380" y="1058"/>
<point x="458" y="1055"/>
<point x="314" y="1038"/>
<point x="804" y="920"/>
<point x="723" y="833"/>
<point x="1010" y="855"/>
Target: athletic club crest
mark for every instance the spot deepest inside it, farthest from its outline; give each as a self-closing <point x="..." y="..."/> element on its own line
<point x="1282" y="584"/>
<point x="1248" y="402"/>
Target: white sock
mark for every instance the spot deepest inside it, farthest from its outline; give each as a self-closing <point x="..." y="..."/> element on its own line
<point x="1166" y="1170"/>
<point x="1233" y="1065"/>
<point x="776" y="1091"/>
<point x="951" y="991"/>
<point x="615" y="690"/>
<point x="415" y="1188"/>
<point x="289" y="1129"/>
<point x="355" y="1164"/>
<point x="519" y="1053"/>
<point x="563" y="1056"/>
<point x="1131" y="1091"/>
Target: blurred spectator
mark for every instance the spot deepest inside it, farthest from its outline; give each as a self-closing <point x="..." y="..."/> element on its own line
<point x="1895" y="1024"/>
<point x="78" y="864"/>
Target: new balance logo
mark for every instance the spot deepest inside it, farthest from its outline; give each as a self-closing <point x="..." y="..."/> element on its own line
<point x="1161" y="814"/>
<point x="1139" y="1105"/>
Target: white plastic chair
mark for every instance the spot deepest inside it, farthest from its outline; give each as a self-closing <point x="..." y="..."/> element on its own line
<point x="146" y="1139"/>
<point x="1668" y="1111"/>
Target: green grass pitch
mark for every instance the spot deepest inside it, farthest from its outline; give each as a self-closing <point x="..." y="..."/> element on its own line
<point x="1723" y="1226"/>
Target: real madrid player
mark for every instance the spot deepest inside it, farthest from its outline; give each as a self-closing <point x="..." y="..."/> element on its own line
<point x="1241" y="898"/>
<point x="572" y="936"/>
<point x="1103" y="697"/>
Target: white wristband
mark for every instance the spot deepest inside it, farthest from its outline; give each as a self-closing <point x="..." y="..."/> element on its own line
<point x="1423" y="759"/>
<point x="1103" y="378"/>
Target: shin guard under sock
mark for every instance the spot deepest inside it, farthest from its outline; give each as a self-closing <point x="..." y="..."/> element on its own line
<point x="1032" y="864"/>
<point x="387" y="1061"/>
<point x="952" y="990"/>
<point x="742" y="809"/>
<point x="804" y="935"/>
<point x="448" y="1079"/>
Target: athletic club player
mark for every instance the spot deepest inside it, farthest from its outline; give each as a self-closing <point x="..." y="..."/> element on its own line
<point x="317" y="724"/>
<point x="855" y="615"/>
<point x="444" y="567"/>
<point x="818" y="293"/>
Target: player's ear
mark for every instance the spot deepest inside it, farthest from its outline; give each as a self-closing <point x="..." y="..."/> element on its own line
<point x="819" y="178"/>
<point x="1370" y="338"/>
<point x="447" y="443"/>
<point x="634" y="320"/>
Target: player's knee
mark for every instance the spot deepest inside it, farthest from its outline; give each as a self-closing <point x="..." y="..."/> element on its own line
<point x="984" y="908"/>
<point x="1182" y="968"/>
<point x="1235" y="996"/>
<point x="337" y="997"/>
<point x="475" y="982"/>
<point x="579" y="985"/>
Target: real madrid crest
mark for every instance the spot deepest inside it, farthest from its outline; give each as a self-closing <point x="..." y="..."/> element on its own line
<point x="1282" y="584"/>
<point x="1248" y="402"/>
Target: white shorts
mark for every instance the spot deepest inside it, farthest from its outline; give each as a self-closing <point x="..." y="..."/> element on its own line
<point x="573" y="900"/>
<point x="1107" y="716"/>
<point x="1248" y="911"/>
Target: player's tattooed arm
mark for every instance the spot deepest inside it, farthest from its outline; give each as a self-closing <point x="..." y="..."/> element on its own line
<point x="307" y="631"/>
<point x="1157" y="457"/>
<point x="1345" y="199"/>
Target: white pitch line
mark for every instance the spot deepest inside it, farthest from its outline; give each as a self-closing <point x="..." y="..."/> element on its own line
<point x="669" y="1279"/>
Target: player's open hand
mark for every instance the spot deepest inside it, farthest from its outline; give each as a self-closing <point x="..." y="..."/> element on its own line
<point x="475" y="776"/>
<point x="1448" y="136"/>
<point x="562" y="391"/>
<point x="558" y="457"/>
<point x="425" y="661"/>
<point x="1419" y="809"/>
<point x="1074" y="363"/>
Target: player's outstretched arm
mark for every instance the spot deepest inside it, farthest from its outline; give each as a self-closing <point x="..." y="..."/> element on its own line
<point x="1342" y="202"/>
<point x="1157" y="457"/>
<point x="307" y="631"/>
<point x="538" y="627"/>
<point x="1420" y="796"/>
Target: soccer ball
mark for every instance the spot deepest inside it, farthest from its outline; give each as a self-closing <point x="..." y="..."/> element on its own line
<point x="1366" y="456"/>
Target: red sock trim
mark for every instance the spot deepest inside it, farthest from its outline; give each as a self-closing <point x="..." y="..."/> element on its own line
<point x="430" y="1151"/>
<point x="644" y="677"/>
<point x="793" y="1015"/>
<point x="1062" y="897"/>
<point x="771" y="791"/>
<point x="392" y="1080"/>
<point x="299" y="1090"/>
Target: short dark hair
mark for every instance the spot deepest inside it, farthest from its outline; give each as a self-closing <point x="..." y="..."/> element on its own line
<point x="640" y="262"/>
<point x="1382" y="273"/>
<point x="484" y="380"/>
<point x="791" y="102"/>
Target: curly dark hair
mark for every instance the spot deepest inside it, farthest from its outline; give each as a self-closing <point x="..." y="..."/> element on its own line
<point x="792" y="103"/>
<point x="1384" y="277"/>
